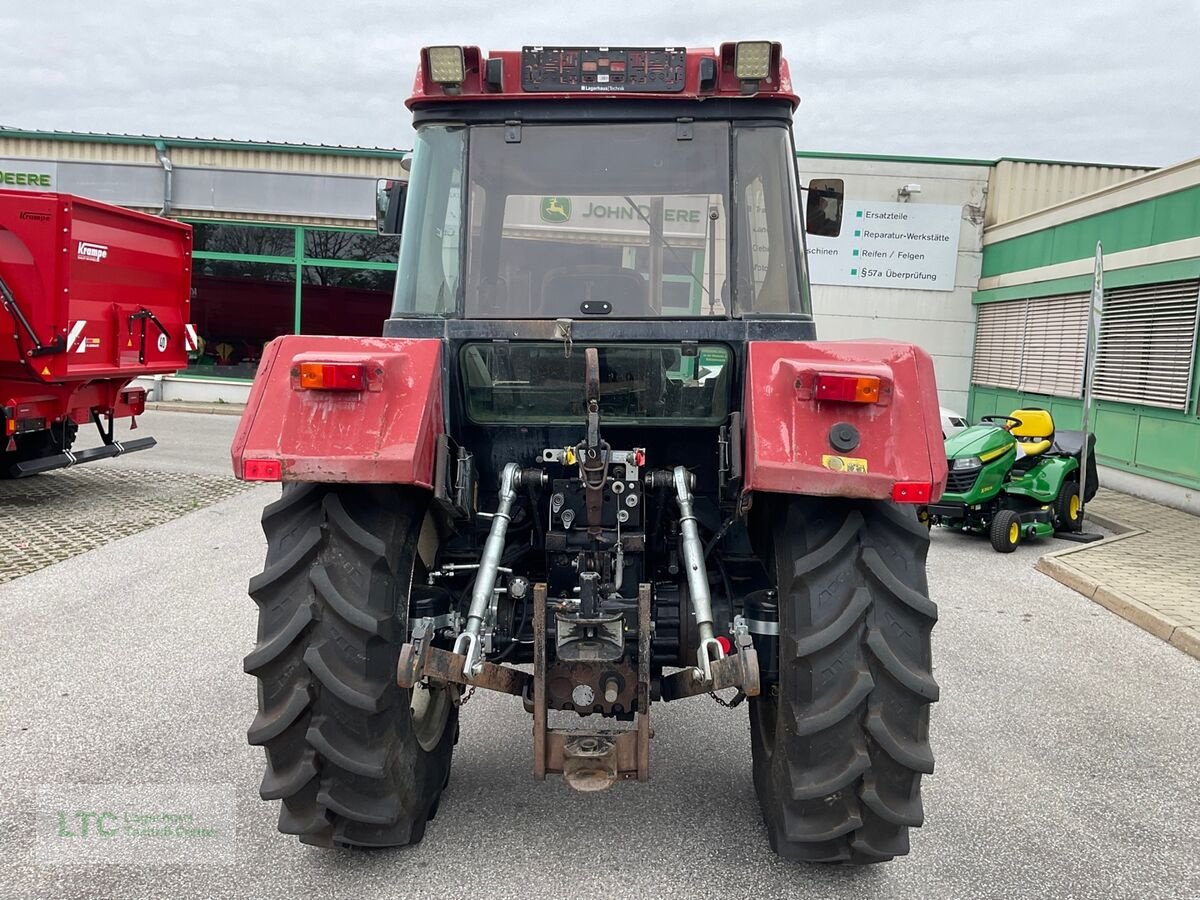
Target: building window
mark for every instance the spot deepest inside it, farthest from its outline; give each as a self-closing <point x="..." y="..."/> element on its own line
<point x="238" y="307"/>
<point x="364" y="246"/>
<point x="1034" y="345"/>
<point x="244" y="240"/>
<point x="253" y="283"/>
<point x="339" y="300"/>
<point x="1147" y="344"/>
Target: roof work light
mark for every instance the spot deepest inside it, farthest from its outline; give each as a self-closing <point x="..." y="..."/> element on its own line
<point x="752" y="60"/>
<point x="446" y="65"/>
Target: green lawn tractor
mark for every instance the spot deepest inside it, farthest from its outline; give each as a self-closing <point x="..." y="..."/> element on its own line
<point x="1014" y="477"/>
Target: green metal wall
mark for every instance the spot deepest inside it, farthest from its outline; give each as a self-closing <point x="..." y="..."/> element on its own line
<point x="1156" y="443"/>
<point x="1159" y="220"/>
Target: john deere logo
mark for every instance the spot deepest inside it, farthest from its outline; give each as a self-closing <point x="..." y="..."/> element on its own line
<point x="556" y="209"/>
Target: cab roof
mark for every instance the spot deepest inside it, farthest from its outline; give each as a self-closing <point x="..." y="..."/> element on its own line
<point x="538" y="74"/>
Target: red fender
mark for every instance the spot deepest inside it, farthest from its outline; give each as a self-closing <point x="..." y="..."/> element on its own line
<point x="791" y="447"/>
<point x="386" y="432"/>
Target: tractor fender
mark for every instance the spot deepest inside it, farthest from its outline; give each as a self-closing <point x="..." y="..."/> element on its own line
<point x="385" y="432"/>
<point x="798" y="442"/>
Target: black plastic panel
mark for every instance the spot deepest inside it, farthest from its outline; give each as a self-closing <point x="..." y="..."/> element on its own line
<point x="629" y="69"/>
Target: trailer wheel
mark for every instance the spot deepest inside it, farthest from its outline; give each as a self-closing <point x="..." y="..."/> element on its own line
<point x="840" y="743"/>
<point x="355" y="760"/>
<point x="1005" y="531"/>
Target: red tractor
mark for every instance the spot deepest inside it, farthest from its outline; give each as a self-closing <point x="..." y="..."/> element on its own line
<point x="597" y="439"/>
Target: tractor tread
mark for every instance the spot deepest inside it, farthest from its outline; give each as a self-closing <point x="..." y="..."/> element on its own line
<point x="279" y="570"/>
<point x="367" y="700"/>
<point x="829" y="550"/>
<point x="906" y="811"/>
<point x="348" y="612"/>
<point x="266" y="652"/>
<point x="370" y="764"/>
<point x="914" y="599"/>
<point x="813" y="721"/>
<point x="384" y="810"/>
<point x="909" y="676"/>
<point x="809" y="643"/>
<point x="280" y="783"/>
<point x="342" y="757"/>
<point x="806" y="786"/>
<point x="911" y="755"/>
<point x="269" y="725"/>
<point x="839" y="750"/>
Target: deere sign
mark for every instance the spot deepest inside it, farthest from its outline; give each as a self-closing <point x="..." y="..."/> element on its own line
<point x="683" y="215"/>
<point x="31" y="174"/>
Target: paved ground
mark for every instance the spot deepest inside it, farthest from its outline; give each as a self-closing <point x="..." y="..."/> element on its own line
<point x="1065" y="742"/>
<point x="47" y="518"/>
<point x="1148" y="572"/>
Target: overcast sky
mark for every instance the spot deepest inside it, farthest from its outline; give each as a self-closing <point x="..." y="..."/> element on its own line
<point x="1088" y="80"/>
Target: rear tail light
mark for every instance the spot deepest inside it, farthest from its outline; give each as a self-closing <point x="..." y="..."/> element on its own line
<point x="848" y="388"/>
<point x="319" y="376"/>
<point x="10" y="421"/>
<point x="262" y="470"/>
<point x="136" y="401"/>
<point x="912" y="491"/>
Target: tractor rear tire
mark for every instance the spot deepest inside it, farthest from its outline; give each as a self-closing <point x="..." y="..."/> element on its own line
<point x="1005" y="531"/>
<point x="354" y="761"/>
<point x="840" y="743"/>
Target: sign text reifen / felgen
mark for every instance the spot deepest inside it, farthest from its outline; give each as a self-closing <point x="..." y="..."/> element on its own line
<point x="912" y="246"/>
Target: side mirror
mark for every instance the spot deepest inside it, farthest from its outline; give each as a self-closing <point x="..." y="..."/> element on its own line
<point x="389" y="205"/>
<point x="823" y="211"/>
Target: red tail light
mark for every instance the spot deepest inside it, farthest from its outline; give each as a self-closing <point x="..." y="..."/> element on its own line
<point x="136" y="401"/>
<point x="326" y="376"/>
<point x="912" y="491"/>
<point x="262" y="470"/>
<point x="848" y="388"/>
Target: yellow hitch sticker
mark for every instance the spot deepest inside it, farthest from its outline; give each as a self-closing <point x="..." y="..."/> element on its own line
<point x="844" y="464"/>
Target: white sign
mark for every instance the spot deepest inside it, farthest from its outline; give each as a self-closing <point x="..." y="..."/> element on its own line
<point x="911" y="246"/>
<point x="27" y="175"/>
<point x="684" y="216"/>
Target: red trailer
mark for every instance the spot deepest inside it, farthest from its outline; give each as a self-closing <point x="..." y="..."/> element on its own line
<point x="91" y="297"/>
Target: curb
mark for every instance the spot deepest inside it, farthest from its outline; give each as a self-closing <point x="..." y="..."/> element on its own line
<point x="1148" y="619"/>
<point x="216" y="409"/>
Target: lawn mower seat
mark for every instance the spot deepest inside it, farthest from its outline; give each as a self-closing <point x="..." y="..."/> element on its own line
<point x="1035" y="434"/>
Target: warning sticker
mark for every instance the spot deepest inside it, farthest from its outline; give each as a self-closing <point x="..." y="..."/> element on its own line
<point x="162" y="343"/>
<point x="844" y="464"/>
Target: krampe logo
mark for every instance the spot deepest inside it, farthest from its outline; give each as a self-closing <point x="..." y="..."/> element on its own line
<point x="556" y="209"/>
<point x="92" y="252"/>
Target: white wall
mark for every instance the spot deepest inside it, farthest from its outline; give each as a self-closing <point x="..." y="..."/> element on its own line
<point x="942" y="322"/>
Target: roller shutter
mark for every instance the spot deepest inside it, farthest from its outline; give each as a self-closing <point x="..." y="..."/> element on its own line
<point x="999" y="335"/>
<point x="1147" y="344"/>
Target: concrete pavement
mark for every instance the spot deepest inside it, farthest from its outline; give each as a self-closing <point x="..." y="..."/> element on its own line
<point x="1065" y="745"/>
<point x="1148" y="571"/>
